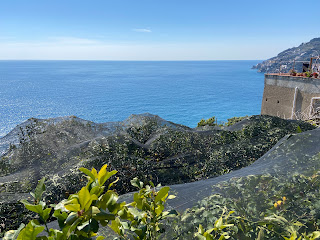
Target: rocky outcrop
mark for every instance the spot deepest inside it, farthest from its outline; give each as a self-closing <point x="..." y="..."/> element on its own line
<point x="301" y="53"/>
<point x="143" y="146"/>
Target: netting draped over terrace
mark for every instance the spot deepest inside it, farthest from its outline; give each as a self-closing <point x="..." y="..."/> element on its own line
<point x="294" y="154"/>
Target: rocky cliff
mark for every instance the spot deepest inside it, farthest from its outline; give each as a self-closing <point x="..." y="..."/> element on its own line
<point x="301" y="53"/>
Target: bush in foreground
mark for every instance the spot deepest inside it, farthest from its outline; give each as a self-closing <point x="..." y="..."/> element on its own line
<point x="253" y="207"/>
<point x="93" y="206"/>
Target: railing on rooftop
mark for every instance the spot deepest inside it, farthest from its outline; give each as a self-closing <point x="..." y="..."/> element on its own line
<point x="308" y="69"/>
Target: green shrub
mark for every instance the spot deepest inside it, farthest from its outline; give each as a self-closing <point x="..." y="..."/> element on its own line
<point x="81" y="215"/>
<point x="262" y="207"/>
<point x="210" y="122"/>
<point x="308" y="74"/>
<point x="232" y="121"/>
<point x="144" y="216"/>
<point x="280" y="208"/>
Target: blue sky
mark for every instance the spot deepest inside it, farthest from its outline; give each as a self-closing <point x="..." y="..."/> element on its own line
<point x="154" y="30"/>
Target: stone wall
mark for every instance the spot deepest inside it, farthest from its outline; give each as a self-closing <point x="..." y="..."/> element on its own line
<point x="284" y="95"/>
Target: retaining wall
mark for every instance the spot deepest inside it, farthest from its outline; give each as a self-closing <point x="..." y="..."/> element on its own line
<point x="284" y="95"/>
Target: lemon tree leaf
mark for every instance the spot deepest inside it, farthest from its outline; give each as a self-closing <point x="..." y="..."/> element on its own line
<point x="73" y="207"/>
<point x="84" y="198"/>
<point x="87" y="172"/>
<point x="162" y="194"/>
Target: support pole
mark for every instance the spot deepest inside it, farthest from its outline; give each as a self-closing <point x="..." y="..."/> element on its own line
<point x="294" y="102"/>
<point x="294" y="63"/>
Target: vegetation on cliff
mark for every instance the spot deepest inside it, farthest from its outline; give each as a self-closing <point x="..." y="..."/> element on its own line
<point x="253" y="207"/>
<point x="284" y="202"/>
<point x="301" y="53"/>
<point x="262" y="207"/>
<point x="80" y="216"/>
<point x="144" y="146"/>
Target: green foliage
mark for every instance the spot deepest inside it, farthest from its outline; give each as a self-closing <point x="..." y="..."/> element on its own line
<point x="193" y="154"/>
<point x="37" y="195"/>
<point x="268" y="225"/>
<point x="253" y="207"/>
<point x="81" y="215"/>
<point x="218" y="230"/>
<point x="169" y="155"/>
<point x="299" y="129"/>
<point x="145" y="215"/>
<point x="308" y="74"/>
<point x="30" y="231"/>
<point x="13" y="234"/>
<point x="265" y="207"/>
<point x="210" y="122"/>
<point x="142" y="133"/>
<point x="232" y="121"/>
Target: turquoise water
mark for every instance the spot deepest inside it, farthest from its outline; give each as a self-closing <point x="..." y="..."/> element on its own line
<point x="103" y="91"/>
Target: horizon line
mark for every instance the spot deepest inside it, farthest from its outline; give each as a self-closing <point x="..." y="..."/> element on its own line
<point x="106" y="60"/>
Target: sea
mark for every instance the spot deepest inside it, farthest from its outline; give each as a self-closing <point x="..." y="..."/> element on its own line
<point x="183" y="92"/>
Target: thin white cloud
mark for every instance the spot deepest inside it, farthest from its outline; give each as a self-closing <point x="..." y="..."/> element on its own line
<point x="70" y="48"/>
<point x="142" y="30"/>
<point x="73" y="40"/>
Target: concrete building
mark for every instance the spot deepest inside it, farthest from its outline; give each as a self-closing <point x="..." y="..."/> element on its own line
<point x="291" y="97"/>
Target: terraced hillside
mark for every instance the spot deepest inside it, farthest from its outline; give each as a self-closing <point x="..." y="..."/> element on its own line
<point x="143" y="146"/>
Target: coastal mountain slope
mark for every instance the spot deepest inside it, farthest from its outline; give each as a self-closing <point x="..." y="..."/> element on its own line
<point x="301" y="53"/>
<point x="144" y="146"/>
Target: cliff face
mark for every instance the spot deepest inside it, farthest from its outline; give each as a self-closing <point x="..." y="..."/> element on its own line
<point x="143" y="146"/>
<point x="301" y="53"/>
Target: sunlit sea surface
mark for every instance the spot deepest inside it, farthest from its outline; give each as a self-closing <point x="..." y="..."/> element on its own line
<point x="183" y="92"/>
